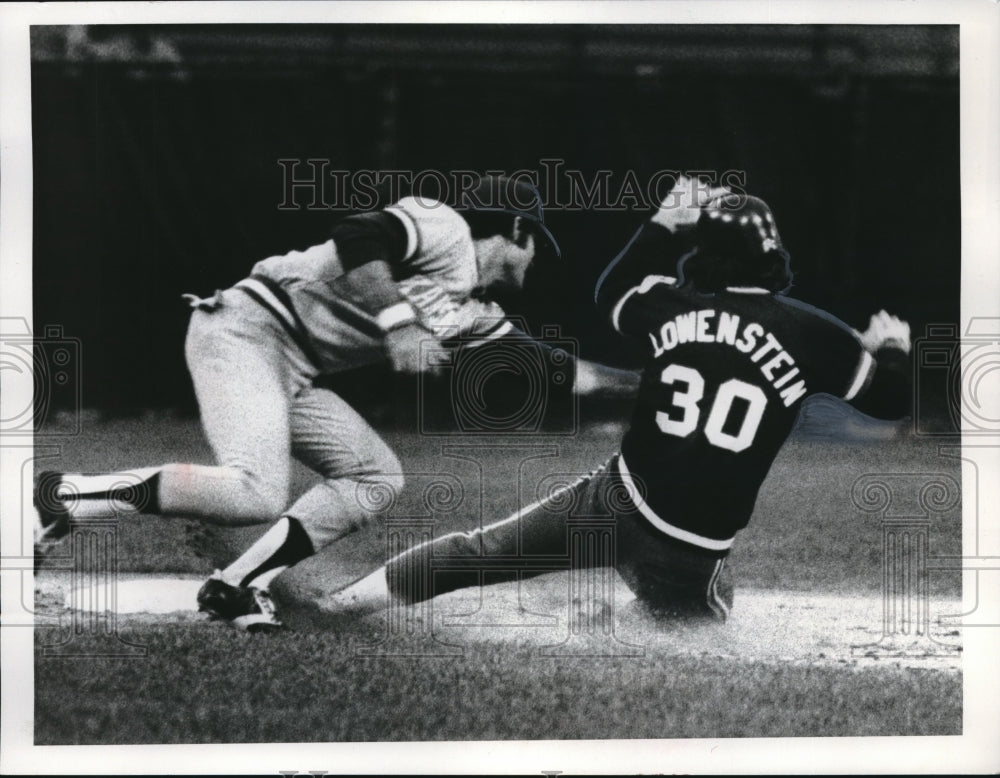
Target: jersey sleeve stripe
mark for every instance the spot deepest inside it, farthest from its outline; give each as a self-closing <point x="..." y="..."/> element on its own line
<point x="496" y="332"/>
<point x="647" y="283"/>
<point x="614" y="262"/>
<point x="409" y="226"/>
<point x="818" y="312"/>
<point x="617" y="310"/>
<point x="861" y="375"/>
<point x="665" y="527"/>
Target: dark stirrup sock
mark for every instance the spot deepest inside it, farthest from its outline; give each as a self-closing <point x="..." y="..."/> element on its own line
<point x="290" y="544"/>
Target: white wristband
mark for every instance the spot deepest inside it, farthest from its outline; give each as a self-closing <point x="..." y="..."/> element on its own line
<point x="395" y="315"/>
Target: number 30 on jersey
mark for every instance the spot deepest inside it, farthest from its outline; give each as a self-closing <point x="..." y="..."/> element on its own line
<point x="685" y="401"/>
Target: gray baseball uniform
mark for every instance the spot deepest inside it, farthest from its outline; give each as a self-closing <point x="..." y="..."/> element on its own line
<point x="254" y="350"/>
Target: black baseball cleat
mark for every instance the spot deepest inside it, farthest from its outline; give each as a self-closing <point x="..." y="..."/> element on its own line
<point x="51" y="514"/>
<point x="244" y="607"/>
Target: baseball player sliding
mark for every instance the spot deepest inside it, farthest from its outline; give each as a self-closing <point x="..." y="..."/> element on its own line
<point x="729" y="360"/>
<point x="385" y="282"/>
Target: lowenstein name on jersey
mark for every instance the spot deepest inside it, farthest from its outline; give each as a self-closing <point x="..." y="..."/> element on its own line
<point x="710" y="326"/>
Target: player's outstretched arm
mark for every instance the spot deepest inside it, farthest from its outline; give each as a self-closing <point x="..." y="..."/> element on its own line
<point x="597" y="380"/>
<point x="657" y="246"/>
<point x="889" y="392"/>
<point x="590" y="378"/>
<point x="369" y="247"/>
<point x="681" y="208"/>
<point x="374" y="289"/>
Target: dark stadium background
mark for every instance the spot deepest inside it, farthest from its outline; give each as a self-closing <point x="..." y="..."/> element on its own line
<point x="156" y="160"/>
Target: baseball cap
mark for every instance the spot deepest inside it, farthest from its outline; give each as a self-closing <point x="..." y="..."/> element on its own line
<point x="501" y="194"/>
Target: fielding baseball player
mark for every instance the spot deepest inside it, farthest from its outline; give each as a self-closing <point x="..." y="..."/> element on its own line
<point x="385" y="282"/>
<point x="729" y="360"/>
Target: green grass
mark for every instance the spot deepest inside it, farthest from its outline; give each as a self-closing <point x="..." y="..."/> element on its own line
<point x="203" y="683"/>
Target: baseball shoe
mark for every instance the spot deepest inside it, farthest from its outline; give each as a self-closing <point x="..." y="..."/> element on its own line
<point x="245" y="607"/>
<point x="51" y="515"/>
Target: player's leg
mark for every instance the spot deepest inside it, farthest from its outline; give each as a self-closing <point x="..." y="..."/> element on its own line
<point x="456" y="559"/>
<point x="360" y="472"/>
<point x="242" y="383"/>
<point x="669" y="577"/>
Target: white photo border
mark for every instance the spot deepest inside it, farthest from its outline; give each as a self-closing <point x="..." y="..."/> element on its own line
<point x="976" y="750"/>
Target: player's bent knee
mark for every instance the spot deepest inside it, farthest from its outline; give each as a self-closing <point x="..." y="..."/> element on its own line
<point x="262" y="502"/>
<point x="385" y="472"/>
<point x="225" y="495"/>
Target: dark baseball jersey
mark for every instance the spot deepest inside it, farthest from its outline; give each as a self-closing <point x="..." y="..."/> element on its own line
<point x="723" y="383"/>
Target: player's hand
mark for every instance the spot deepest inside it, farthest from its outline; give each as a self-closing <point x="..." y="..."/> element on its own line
<point x="884" y="329"/>
<point x="403" y="348"/>
<point x="682" y="206"/>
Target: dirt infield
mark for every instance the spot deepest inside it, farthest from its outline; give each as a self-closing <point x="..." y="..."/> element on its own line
<point x="766" y="626"/>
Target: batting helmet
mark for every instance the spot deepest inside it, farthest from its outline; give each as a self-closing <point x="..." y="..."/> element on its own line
<point x="738" y="244"/>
